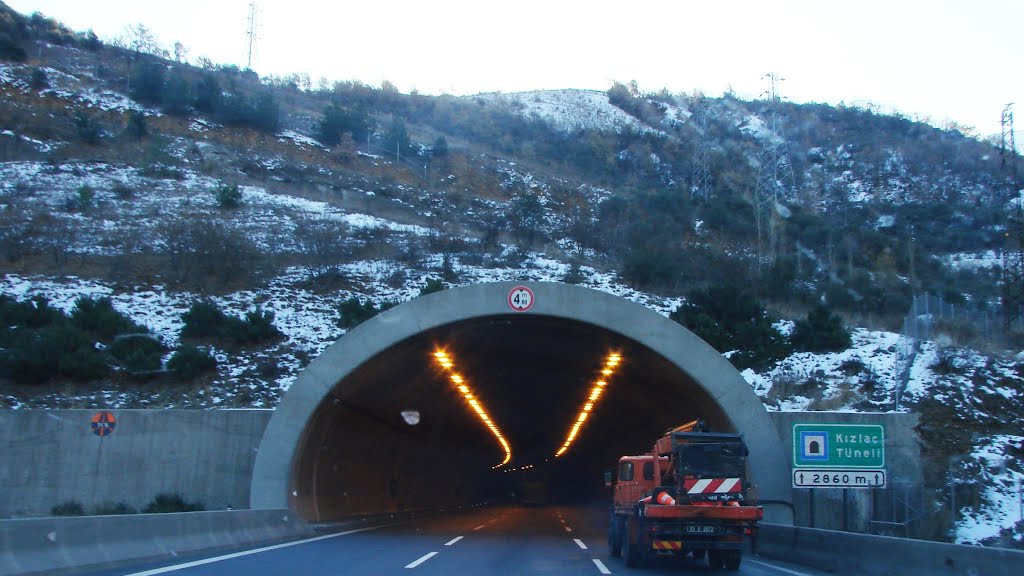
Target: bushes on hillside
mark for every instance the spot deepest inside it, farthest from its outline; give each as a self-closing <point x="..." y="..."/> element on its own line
<point x="206" y="321"/>
<point x="733" y="321"/>
<point x="11" y="50"/>
<point x="260" y="112"/>
<point x="88" y="129"/>
<point x="147" y="82"/>
<point x="190" y="362"/>
<point x="138" y="352"/>
<point x="338" y="121"/>
<point x="821" y="331"/>
<point x="228" y="196"/>
<point x="99" y="318"/>
<point x="353" y="312"/>
<point x="38" y="342"/>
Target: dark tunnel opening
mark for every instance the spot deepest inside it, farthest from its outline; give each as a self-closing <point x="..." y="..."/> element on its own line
<point x="358" y="455"/>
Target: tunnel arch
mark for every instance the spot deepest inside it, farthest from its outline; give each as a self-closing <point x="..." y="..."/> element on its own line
<point x="281" y="442"/>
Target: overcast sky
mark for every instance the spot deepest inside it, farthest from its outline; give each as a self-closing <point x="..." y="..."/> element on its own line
<point x="941" y="59"/>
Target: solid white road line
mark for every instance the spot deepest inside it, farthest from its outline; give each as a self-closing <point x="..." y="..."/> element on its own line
<point x="774" y="567"/>
<point x="453" y="541"/>
<point x="479" y="527"/>
<point x="177" y="567"/>
<point x="422" y="560"/>
<point x="600" y="566"/>
<point x="579" y="543"/>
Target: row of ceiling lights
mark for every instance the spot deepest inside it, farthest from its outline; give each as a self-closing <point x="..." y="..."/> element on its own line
<point x="460" y="384"/>
<point x="611" y="363"/>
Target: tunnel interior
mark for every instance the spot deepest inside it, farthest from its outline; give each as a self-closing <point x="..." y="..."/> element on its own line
<point x="359" y="455"/>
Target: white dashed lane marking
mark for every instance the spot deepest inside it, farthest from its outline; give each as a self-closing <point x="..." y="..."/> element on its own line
<point x="421" y="560"/>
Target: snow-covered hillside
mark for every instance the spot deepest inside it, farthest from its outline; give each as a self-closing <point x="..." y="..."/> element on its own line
<point x="568" y="110"/>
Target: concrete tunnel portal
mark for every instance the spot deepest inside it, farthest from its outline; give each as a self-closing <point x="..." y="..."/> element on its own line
<point x="338" y="445"/>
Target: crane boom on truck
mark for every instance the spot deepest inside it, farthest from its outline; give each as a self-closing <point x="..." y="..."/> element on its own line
<point x="687" y="497"/>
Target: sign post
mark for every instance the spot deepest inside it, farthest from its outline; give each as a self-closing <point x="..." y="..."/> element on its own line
<point x="839" y="456"/>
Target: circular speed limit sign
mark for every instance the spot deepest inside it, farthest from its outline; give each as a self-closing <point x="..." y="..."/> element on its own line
<point x="520" y="299"/>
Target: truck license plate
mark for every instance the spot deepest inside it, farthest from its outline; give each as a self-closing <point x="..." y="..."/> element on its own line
<point x="701" y="529"/>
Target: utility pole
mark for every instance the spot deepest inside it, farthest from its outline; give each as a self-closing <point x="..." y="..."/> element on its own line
<point x="251" y="32"/>
<point x="775" y="175"/>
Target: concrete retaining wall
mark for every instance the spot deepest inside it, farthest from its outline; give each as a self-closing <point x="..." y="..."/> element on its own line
<point x="52" y="456"/>
<point x="848" y="554"/>
<point x="824" y="507"/>
<point x="36" y="545"/>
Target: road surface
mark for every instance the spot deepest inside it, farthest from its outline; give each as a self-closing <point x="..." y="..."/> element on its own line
<point x="493" y="541"/>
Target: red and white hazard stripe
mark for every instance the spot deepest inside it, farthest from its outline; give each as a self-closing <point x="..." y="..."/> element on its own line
<point x="712" y="486"/>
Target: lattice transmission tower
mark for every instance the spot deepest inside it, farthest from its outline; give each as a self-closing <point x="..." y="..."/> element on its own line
<point x="252" y="32"/>
<point x="1013" y="248"/>
<point x="700" y="176"/>
<point x="775" y="178"/>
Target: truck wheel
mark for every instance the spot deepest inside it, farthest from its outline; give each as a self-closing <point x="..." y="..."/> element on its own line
<point x="732" y="560"/>
<point x="615" y="537"/>
<point x="629" y="550"/>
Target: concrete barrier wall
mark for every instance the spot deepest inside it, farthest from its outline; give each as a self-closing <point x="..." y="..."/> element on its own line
<point x="52" y="456"/>
<point x="902" y="460"/>
<point x="36" y="545"/>
<point x="849" y="554"/>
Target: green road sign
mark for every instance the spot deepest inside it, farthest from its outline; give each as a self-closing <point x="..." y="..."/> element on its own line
<point x="838" y="446"/>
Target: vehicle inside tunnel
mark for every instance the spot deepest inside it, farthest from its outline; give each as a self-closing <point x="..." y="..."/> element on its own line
<point x="454" y="414"/>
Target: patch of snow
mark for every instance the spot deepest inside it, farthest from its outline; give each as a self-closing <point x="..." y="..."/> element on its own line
<point x="973" y="260"/>
<point x="569" y="110"/>
<point x="995" y="466"/>
<point x="299" y="139"/>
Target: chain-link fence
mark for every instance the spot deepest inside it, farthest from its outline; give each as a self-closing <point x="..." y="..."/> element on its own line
<point x="927" y="317"/>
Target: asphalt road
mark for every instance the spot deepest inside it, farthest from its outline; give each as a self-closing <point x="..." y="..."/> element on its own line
<point x="492" y="541"/>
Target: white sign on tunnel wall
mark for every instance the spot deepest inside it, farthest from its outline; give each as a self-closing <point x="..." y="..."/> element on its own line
<point x="521" y="299"/>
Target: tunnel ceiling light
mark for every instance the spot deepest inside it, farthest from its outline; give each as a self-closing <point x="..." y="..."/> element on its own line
<point x="611" y="363"/>
<point x="447" y="364"/>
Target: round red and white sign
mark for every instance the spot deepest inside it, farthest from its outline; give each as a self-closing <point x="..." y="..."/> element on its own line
<point x="520" y="299"/>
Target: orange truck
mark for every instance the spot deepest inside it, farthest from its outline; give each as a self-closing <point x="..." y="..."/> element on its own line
<point x="686" y="498"/>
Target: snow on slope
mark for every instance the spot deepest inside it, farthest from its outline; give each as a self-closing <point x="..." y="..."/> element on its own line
<point x="996" y="467"/>
<point x="265" y="217"/>
<point x="569" y="110"/>
<point x="71" y="88"/>
<point x="861" y="378"/>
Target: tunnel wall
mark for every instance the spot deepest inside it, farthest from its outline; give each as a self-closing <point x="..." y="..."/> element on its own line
<point x="52" y="456"/>
<point x="358" y="466"/>
<point x="276" y="461"/>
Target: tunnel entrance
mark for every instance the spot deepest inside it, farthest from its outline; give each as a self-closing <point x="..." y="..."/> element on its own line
<point x="340" y="445"/>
